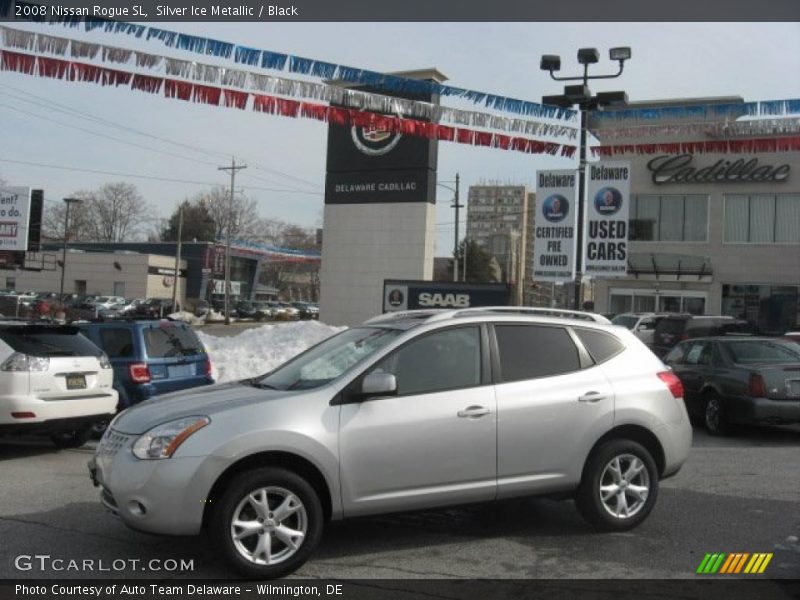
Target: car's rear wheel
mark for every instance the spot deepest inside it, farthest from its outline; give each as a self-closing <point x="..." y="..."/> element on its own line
<point x="715" y="417"/>
<point x="619" y="486"/>
<point x="267" y="523"/>
<point x="73" y="438"/>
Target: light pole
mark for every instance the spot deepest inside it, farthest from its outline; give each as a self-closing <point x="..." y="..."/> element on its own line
<point x="234" y="168"/>
<point x="67" y="201"/>
<point x="581" y="96"/>
<point x="455" y="205"/>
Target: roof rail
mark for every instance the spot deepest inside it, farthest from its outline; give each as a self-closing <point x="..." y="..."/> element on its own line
<point x="523" y="310"/>
<point x="405" y="314"/>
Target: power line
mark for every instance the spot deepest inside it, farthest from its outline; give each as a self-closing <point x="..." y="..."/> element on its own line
<point x="150" y="177"/>
<point x="46" y="103"/>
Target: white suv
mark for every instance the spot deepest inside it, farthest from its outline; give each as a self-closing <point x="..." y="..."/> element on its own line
<point x="54" y="381"/>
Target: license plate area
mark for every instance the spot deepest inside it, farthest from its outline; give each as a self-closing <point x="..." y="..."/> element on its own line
<point x="76" y="381"/>
<point x="793" y="388"/>
<point x="180" y="370"/>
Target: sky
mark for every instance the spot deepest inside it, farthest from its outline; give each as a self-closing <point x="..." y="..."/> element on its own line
<point x="286" y="157"/>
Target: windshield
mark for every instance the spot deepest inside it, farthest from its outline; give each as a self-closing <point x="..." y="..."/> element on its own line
<point x="167" y="341"/>
<point x="759" y="351"/>
<point x="626" y="321"/>
<point x="36" y="340"/>
<point x="329" y="359"/>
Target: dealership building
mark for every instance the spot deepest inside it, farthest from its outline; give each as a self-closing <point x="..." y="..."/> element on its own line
<point x="708" y="233"/>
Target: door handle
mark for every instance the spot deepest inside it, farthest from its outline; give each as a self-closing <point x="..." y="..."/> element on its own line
<point x="591" y="397"/>
<point x="473" y="412"/>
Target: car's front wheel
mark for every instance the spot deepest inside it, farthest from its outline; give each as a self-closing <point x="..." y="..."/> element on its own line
<point x="715" y="417"/>
<point x="267" y="523"/>
<point x="619" y="486"/>
<point x="73" y="438"/>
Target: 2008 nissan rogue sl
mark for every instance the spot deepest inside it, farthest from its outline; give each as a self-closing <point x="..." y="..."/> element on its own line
<point x="408" y="411"/>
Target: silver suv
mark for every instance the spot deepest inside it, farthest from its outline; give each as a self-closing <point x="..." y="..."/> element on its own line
<point x="408" y="411"/>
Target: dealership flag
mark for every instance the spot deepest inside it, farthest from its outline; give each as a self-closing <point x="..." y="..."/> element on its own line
<point x="608" y="187"/>
<point x="556" y="218"/>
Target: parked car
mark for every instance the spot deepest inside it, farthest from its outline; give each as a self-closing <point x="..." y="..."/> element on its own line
<point x="115" y="311"/>
<point x="246" y="310"/>
<point x="411" y="410"/>
<point x="679" y="327"/>
<point x="202" y="308"/>
<point x="101" y="302"/>
<point x="154" y="308"/>
<point x="290" y="311"/>
<point x="265" y="311"/>
<point x="151" y="357"/>
<point x="793" y="336"/>
<point x="642" y="324"/>
<point x="307" y="310"/>
<point x="278" y="310"/>
<point x="752" y="380"/>
<point x="53" y="381"/>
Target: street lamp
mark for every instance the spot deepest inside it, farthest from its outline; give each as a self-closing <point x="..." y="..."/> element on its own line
<point x="67" y="201"/>
<point x="581" y="96"/>
<point x="455" y="205"/>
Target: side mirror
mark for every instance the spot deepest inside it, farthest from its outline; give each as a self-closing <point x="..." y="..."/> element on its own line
<point x="379" y="384"/>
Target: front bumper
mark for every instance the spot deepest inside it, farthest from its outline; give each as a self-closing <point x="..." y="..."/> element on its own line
<point x="166" y="496"/>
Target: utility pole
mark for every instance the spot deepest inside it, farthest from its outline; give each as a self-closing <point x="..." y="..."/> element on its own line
<point x="234" y="168"/>
<point x="176" y="283"/>
<point x="456" y="205"/>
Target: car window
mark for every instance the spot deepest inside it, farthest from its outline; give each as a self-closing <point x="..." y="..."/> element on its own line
<point x="117" y="343"/>
<point x="627" y="321"/>
<point x="671" y="326"/>
<point x="531" y="351"/>
<point x="444" y="360"/>
<point x="763" y="351"/>
<point x="676" y="355"/>
<point x="698" y="354"/>
<point x="647" y="323"/>
<point x="48" y="341"/>
<point x="171" y="341"/>
<point x="600" y="345"/>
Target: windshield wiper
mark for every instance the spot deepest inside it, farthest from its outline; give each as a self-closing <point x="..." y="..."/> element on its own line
<point x="257" y="383"/>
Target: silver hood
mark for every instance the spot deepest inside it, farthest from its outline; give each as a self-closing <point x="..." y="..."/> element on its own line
<point x="204" y="400"/>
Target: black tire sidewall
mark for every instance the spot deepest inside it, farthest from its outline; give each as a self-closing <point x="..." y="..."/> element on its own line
<point x="723" y="427"/>
<point x="243" y="484"/>
<point x="588" y="497"/>
<point x="71" y="439"/>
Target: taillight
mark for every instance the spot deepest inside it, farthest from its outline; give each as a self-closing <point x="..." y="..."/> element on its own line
<point x="23" y="415"/>
<point x="684" y="336"/>
<point x="756" y="386"/>
<point x="140" y="373"/>
<point x="208" y="366"/>
<point x="673" y="383"/>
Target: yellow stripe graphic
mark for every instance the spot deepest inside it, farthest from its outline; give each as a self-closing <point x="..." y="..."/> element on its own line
<point x="752" y="563"/>
<point x="727" y="563"/>
<point x="758" y="562"/>
<point x="765" y="563"/>
<point x="741" y="562"/>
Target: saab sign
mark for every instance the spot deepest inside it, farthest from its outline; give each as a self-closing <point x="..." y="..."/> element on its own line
<point x="416" y="295"/>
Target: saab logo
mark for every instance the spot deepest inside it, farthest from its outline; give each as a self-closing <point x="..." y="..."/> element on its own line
<point x="374" y="140"/>
<point x="444" y="300"/>
<point x="735" y="563"/>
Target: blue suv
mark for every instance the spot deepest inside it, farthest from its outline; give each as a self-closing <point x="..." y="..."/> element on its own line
<point x="150" y="357"/>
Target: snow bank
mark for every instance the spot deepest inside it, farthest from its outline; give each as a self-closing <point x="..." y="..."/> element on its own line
<point x="260" y="349"/>
<point x="187" y="317"/>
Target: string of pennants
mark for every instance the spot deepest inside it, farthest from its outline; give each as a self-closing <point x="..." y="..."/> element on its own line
<point x="761" y="127"/>
<point x="56" y="68"/>
<point x="736" y="146"/>
<point x="205" y="73"/>
<point x="278" y="61"/>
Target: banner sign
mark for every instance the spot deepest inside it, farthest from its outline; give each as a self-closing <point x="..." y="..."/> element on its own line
<point x="14" y="204"/>
<point x="607" y="198"/>
<point x="556" y="218"/>
<point x="415" y="295"/>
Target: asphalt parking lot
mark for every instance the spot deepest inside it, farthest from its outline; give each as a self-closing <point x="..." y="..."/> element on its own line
<point x="736" y="494"/>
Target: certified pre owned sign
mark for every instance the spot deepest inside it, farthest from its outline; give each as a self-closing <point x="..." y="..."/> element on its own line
<point x="374" y="141"/>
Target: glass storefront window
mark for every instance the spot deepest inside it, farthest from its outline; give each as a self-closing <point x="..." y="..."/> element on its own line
<point x="669" y="218"/>
<point x="621" y="301"/>
<point x="772" y="309"/>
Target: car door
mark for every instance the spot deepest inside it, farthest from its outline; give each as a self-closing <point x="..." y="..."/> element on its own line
<point x="695" y="367"/>
<point x="434" y="442"/>
<point x="550" y="410"/>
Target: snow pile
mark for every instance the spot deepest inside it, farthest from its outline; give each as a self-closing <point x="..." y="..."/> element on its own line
<point x="215" y="316"/>
<point x="260" y="349"/>
<point x="187" y="317"/>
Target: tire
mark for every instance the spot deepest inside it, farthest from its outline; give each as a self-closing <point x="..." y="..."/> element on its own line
<point x="599" y="471"/>
<point x="99" y="428"/>
<point x="715" y="418"/>
<point x="247" y="556"/>
<point x="74" y="438"/>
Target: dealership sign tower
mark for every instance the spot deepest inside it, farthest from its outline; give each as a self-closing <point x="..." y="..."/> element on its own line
<point x="380" y="213"/>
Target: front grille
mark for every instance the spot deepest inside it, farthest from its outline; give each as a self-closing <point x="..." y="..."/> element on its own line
<point x="112" y="442"/>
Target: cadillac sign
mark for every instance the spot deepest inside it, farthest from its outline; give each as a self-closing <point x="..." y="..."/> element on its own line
<point x="678" y="169"/>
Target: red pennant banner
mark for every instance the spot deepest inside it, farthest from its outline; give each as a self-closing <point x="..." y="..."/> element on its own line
<point x="53" y="67"/>
<point x="232" y="98"/>
<point x="21" y="63"/>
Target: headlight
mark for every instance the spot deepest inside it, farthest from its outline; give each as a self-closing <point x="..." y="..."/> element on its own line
<point x="104" y="362"/>
<point x="162" y="441"/>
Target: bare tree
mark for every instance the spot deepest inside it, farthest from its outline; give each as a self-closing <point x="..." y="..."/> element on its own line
<point x="217" y="201"/>
<point x="114" y="213"/>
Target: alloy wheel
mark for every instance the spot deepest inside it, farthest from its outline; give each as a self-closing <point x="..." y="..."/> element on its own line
<point x="624" y="486"/>
<point x="269" y="525"/>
